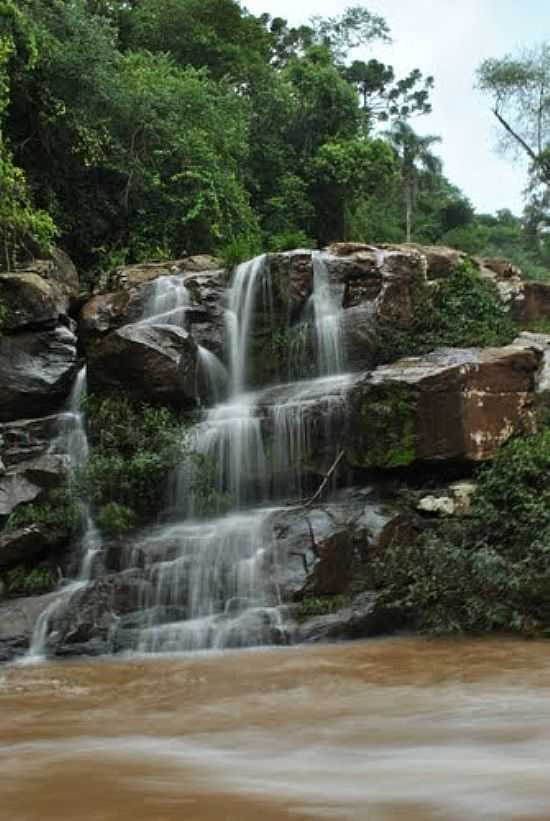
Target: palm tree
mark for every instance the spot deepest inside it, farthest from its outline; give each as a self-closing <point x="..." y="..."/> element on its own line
<point x="413" y="151"/>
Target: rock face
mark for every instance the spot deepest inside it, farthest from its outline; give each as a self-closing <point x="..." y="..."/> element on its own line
<point x="36" y="372"/>
<point x="41" y="294"/>
<point x="450" y="405"/>
<point x="25" y="544"/>
<point x="153" y="363"/>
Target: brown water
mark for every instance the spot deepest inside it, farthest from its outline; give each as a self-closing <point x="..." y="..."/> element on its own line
<point x="395" y="729"/>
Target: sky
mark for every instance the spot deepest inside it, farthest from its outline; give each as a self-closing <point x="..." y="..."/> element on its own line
<point x="449" y="39"/>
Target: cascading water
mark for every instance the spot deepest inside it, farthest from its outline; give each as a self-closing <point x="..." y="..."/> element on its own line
<point x="207" y="583"/>
<point x="71" y="442"/>
<point x="168" y="301"/>
<point x="328" y="316"/>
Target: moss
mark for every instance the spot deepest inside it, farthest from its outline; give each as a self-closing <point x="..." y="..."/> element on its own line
<point x="387" y="434"/>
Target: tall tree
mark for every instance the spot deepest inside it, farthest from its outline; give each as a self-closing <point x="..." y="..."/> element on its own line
<point x="414" y="153"/>
<point x="519" y="87"/>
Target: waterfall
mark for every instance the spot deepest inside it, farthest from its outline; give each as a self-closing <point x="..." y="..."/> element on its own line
<point x="208" y="581"/>
<point x="327" y="316"/>
<point x="168" y="301"/>
<point x="72" y="442"/>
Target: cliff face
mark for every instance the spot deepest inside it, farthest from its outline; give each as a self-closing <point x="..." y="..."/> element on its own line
<point x="348" y="450"/>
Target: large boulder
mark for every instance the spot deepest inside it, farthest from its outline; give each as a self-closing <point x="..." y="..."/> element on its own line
<point x="23" y="440"/>
<point x="540" y="343"/>
<point x="25" y="544"/>
<point x="39" y="294"/>
<point x="449" y="405"/>
<point x="17" y="620"/>
<point x="127" y="277"/>
<point x="152" y="363"/>
<point x="30" y="481"/>
<point x="36" y="372"/>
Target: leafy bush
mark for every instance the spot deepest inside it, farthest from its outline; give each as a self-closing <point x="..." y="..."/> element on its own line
<point x="115" y="519"/>
<point x="59" y="511"/>
<point x="239" y="249"/>
<point x="21" y="582"/>
<point x="288" y="240"/>
<point x="492" y="570"/>
<point x="464" y="311"/>
<point x="135" y="447"/>
<point x="320" y="606"/>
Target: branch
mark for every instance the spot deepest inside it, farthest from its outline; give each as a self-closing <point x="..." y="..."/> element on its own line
<point x="324" y="483"/>
<point x="513" y="134"/>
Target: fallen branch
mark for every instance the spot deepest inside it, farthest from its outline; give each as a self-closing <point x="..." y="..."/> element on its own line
<point x="325" y="481"/>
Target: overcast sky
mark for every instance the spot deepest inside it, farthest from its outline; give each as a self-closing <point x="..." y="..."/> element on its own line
<point x="449" y="38"/>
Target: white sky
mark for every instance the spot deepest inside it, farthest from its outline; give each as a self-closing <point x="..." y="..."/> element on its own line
<point x="449" y="38"/>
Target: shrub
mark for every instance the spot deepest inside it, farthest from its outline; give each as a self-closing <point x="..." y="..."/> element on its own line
<point x="135" y="448"/>
<point x="287" y="240"/>
<point x="21" y="582"/>
<point x="115" y="519"/>
<point x="239" y="249"/>
<point x="464" y="311"/>
<point x="59" y="511"/>
<point x="490" y="571"/>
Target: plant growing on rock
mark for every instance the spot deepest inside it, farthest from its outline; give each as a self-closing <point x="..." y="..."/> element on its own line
<point x="464" y="311"/>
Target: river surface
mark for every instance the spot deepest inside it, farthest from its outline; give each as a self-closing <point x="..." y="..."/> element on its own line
<point x="384" y="730"/>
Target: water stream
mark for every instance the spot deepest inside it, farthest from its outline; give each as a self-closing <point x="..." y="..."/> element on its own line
<point x="392" y="730"/>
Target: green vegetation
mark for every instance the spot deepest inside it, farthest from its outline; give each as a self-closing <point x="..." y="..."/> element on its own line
<point x="135" y="447"/>
<point x="490" y="571"/>
<point x="20" y="581"/>
<point x="312" y="606"/>
<point x="60" y="512"/>
<point x="464" y="311"/>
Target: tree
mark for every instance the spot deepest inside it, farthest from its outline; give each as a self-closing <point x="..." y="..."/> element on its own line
<point x="383" y="97"/>
<point x="413" y="151"/>
<point x="520" y="91"/>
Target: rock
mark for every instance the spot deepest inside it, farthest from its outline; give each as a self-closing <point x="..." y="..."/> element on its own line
<point x="503" y="268"/>
<point x="25" y="439"/>
<point x="453" y="500"/>
<point x="366" y="616"/>
<point x="321" y="550"/>
<point x="449" y="405"/>
<point x="26" y="544"/>
<point x="389" y="280"/>
<point x="152" y="363"/>
<point x="127" y="277"/>
<point x="17" y="620"/>
<point x="30" y="481"/>
<point x="36" y="372"/>
<point x="533" y="303"/>
<point x="86" y="622"/>
<point x="32" y="302"/>
<point x="541" y="344"/>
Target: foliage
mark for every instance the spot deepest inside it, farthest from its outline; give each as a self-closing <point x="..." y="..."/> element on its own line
<point x="135" y="446"/>
<point x="312" y="606"/>
<point x="116" y="519"/>
<point x="59" y="511"/>
<point x="490" y="571"/>
<point x="464" y="311"/>
<point x="20" y="581"/>
<point x="239" y="249"/>
<point x="287" y="240"/>
<point x="518" y="87"/>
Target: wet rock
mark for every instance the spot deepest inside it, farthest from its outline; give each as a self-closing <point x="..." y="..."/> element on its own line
<point x="27" y="544"/>
<point x="366" y="616"/>
<point x="24" y="439"/>
<point x="29" y="481"/>
<point x="127" y="277"/>
<point x="85" y="623"/>
<point x="322" y="550"/>
<point x="17" y="620"/>
<point x="36" y="372"/>
<point x="152" y="363"/>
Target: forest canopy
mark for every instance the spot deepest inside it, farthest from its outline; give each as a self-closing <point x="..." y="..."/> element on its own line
<point x="147" y="129"/>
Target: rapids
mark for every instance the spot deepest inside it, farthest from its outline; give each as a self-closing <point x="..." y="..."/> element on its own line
<point x="384" y="730"/>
